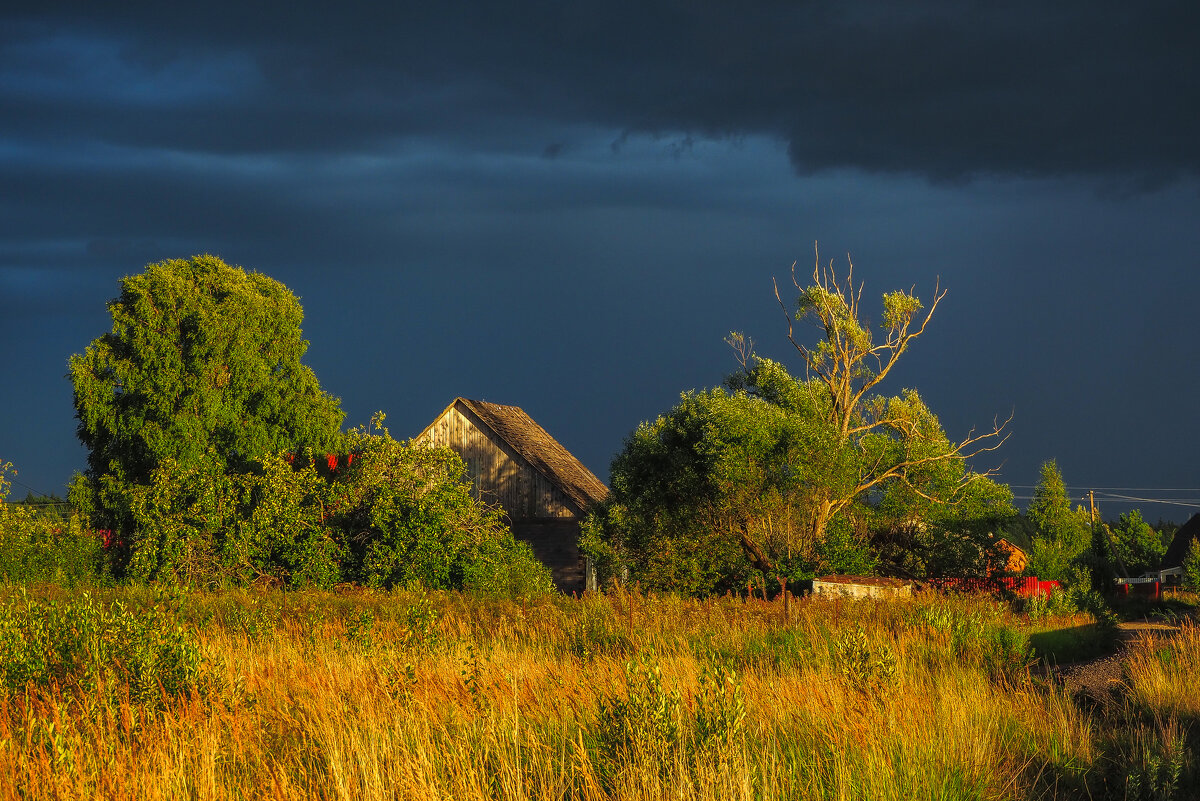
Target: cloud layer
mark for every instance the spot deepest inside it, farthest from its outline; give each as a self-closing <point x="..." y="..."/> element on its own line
<point x="566" y="206"/>
<point x="943" y="89"/>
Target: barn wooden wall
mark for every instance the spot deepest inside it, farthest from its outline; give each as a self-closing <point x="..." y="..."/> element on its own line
<point x="500" y="475"/>
<point x="556" y="544"/>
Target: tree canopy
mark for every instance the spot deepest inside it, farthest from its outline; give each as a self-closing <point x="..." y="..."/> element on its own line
<point x="202" y="366"/>
<point x="724" y="489"/>
<point x="1138" y="546"/>
<point x="898" y="441"/>
<point x="1062" y="535"/>
<point x="780" y="476"/>
<point x="713" y="491"/>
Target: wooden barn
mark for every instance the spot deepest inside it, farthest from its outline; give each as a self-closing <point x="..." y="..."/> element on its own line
<point x="544" y="490"/>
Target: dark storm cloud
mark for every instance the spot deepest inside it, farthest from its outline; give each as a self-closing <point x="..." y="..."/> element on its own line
<point x="567" y="205"/>
<point x="944" y="89"/>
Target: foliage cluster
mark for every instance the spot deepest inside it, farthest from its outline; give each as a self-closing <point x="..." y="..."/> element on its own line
<point x="1191" y="567"/>
<point x="95" y="649"/>
<point x="1138" y="546"/>
<point x="1068" y="546"/>
<point x="42" y="543"/>
<point x="729" y="487"/>
<point x="775" y="477"/>
<point x="649" y="724"/>
<point x="216" y="459"/>
<point x="202" y="370"/>
<point x="386" y="514"/>
<point x="1061" y="534"/>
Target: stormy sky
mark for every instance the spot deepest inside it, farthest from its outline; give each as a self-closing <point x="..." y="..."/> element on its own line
<point x="567" y="206"/>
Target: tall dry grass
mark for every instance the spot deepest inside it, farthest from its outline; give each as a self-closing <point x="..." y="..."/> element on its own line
<point x="1164" y="673"/>
<point x="405" y="695"/>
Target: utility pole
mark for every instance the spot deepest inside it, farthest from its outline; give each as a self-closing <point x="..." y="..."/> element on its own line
<point x="1098" y="583"/>
<point x="1112" y="546"/>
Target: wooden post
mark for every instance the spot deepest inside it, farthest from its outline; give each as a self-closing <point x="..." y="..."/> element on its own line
<point x="629" y="600"/>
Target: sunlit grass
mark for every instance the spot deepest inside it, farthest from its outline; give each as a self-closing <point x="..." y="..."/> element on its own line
<point x="408" y="695"/>
<point x="1164" y="673"/>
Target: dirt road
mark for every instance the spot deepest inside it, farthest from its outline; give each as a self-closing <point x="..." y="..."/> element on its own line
<point x="1100" y="677"/>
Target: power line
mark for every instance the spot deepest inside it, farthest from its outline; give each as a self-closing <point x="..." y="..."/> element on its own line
<point x="1185" y="502"/>
<point x="1084" y="489"/>
<point x="1173" y="502"/>
<point x="14" y="480"/>
<point x="1113" y="495"/>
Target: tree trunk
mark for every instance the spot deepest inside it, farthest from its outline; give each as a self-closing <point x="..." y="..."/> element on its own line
<point x="821" y="515"/>
<point x="753" y="552"/>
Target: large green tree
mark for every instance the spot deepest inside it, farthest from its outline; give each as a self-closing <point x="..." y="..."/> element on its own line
<point x="901" y="484"/>
<point x="712" y="491"/>
<point x="892" y="441"/>
<point x="783" y="475"/>
<point x="202" y="369"/>
<point x="725" y="486"/>
<point x="1139" y="547"/>
<point x="1062" y="534"/>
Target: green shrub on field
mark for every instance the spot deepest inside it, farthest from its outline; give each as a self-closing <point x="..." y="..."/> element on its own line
<point x="387" y="514"/>
<point x="81" y="645"/>
<point x="651" y="726"/>
<point x="43" y="545"/>
<point x="979" y="635"/>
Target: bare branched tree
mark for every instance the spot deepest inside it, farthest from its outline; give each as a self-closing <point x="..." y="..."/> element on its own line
<point x="895" y="437"/>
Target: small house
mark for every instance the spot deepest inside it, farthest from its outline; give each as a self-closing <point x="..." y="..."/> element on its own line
<point x="1014" y="557"/>
<point x="514" y="463"/>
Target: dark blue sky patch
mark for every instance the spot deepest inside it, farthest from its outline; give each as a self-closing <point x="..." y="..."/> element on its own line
<point x="566" y="208"/>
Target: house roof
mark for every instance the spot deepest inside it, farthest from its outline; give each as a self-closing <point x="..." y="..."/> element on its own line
<point x="543" y="452"/>
<point x="866" y="581"/>
<point x="1179" y="546"/>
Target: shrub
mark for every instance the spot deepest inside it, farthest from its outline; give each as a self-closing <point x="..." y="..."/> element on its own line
<point x="642" y="727"/>
<point x="720" y="715"/>
<point x="43" y="545"/>
<point x="866" y="667"/>
<point x="385" y="514"/>
<point x="407" y="514"/>
<point x="83" y="646"/>
<point x="1041" y="607"/>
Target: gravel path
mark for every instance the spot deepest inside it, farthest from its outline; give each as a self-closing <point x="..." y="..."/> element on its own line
<point x="1101" y="677"/>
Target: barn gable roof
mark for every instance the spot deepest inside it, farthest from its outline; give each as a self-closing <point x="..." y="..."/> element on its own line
<point x="543" y="452"/>
<point x="1179" y="546"/>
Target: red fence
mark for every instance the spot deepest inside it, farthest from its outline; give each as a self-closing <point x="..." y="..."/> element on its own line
<point x="1025" y="586"/>
<point x="1140" y="589"/>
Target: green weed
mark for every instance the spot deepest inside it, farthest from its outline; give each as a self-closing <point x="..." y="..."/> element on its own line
<point x="644" y="726"/>
<point x="868" y="667"/>
<point x="84" y="647"/>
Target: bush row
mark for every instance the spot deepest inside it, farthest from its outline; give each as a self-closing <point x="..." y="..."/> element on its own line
<point x="383" y="514"/>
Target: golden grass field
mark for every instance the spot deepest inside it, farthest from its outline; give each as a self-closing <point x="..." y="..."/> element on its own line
<point x="412" y="695"/>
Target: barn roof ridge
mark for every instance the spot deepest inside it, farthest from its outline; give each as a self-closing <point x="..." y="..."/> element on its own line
<point x="513" y="426"/>
<point x="1181" y="543"/>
